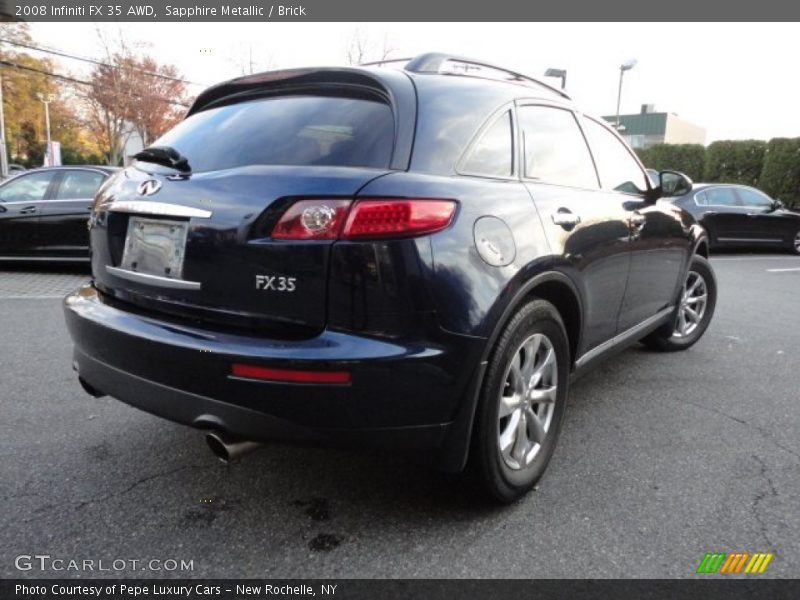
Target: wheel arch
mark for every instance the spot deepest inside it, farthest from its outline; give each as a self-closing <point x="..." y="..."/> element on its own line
<point x="553" y="286"/>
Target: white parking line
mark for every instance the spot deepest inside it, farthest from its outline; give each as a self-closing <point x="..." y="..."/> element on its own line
<point x="30" y="297"/>
<point x="741" y="258"/>
<point x="782" y="270"/>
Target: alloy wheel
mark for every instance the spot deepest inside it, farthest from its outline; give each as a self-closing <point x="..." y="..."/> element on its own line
<point x="694" y="299"/>
<point x="527" y="401"/>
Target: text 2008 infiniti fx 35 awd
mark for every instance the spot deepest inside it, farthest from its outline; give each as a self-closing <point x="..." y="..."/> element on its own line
<point x="409" y="258"/>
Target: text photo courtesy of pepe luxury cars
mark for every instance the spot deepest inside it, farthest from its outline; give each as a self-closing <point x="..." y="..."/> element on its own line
<point x="513" y="304"/>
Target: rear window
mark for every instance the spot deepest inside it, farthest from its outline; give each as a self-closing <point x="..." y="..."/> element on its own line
<point x="289" y="130"/>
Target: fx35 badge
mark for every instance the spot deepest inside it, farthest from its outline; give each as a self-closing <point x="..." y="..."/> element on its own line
<point x="275" y="284"/>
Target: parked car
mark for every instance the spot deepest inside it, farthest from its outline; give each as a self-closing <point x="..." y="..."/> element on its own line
<point x="417" y="259"/>
<point x="742" y="216"/>
<point x="44" y="213"/>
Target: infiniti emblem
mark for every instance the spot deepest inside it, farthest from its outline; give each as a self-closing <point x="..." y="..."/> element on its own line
<point x="148" y="187"/>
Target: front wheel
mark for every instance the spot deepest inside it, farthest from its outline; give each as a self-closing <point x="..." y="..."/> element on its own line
<point x="522" y="402"/>
<point x="795" y="248"/>
<point x="696" y="303"/>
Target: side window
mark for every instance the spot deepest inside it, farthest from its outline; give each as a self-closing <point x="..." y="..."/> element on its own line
<point x="493" y="154"/>
<point x="754" y="198"/>
<point x="720" y="196"/>
<point x="618" y="170"/>
<point x="79" y="184"/>
<point x="27" y="188"/>
<point x="554" y="148"/>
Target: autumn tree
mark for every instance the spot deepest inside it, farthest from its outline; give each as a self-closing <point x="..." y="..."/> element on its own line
<point x="157" y="109"/>
<point x="130" y="93"/>
<point x="24" y="77"/>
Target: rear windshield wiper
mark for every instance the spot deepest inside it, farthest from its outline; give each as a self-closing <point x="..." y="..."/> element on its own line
<point x="164" y="155"/>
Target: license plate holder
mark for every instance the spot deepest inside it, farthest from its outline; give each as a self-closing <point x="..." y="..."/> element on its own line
<point x="155" y="247"/>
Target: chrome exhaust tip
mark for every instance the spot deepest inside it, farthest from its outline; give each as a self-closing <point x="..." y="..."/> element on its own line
<point x="229" y="450"/>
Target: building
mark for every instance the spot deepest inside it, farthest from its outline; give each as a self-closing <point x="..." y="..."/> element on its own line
<point x="650" y="127"/>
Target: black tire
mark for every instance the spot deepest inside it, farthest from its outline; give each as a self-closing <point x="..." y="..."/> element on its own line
<point x="536" y="321"/>
<point x="668" y="338"/>
<point x="795" y="247"/>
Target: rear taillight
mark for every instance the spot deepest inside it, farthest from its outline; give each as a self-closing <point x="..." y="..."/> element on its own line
<point x="312" y="220"/>
<point x="396" y="217"/>
<point x="370" y="218"/>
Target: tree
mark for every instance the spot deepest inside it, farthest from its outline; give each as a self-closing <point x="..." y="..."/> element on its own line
<point x="686" y="158"/>
<point x="781" y="175"/>
<point x="151" y="113"/>
<point x="361" y="49"/>
<point x="130" y="94"/>
<point x="735" y="161"/>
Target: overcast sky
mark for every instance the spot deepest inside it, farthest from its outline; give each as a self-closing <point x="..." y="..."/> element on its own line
<point x="735" y="80"/>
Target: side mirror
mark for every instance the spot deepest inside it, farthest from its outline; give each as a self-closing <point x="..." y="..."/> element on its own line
<point x="673" y="183"/>
<point x="777" y="204"/>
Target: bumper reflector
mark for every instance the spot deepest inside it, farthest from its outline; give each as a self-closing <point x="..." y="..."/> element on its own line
<point x="290" y="375"/>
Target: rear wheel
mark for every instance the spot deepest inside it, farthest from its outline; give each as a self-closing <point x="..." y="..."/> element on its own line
<point x="696" y="303"/>
<point x="522" y="402"/>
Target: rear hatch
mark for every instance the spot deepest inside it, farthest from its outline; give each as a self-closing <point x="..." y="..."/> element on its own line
<point x="196" y="243"/>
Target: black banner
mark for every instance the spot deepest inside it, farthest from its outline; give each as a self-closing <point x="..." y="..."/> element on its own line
<point x="396" y="589"/>
<point x="407" y="10"/>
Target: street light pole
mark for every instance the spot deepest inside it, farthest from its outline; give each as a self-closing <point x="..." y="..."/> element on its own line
<point x="46" y="100"/>
<point x="3" y="153"/>
<point x="626" y="66"/>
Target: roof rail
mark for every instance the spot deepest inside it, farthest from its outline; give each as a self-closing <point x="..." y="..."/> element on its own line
<point x="432" y="63"/>
<point x="385" y="61"/>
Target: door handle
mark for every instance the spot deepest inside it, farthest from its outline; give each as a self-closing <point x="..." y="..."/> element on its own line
<point x="565" y="218"/>
<point x="638" y="220"/>
<point x="28" y="210"/>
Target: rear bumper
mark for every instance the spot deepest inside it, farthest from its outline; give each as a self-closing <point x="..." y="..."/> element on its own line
<point x="410" y="394"/>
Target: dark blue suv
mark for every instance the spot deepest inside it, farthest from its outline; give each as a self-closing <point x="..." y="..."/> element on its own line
<point x="418" y="258"/>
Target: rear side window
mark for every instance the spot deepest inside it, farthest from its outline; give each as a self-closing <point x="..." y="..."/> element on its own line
<point x="79" y="184"/>
<point x="754" y="198"/>
<point x="719" y="196"/>
<point x="27" y="188"/>
<point x="289" y="130"/>
<point x="618" y="170"/>
<point x="555" y="151"/>
<point x="493" y="154"/>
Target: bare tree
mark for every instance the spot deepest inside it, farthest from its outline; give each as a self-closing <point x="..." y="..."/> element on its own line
<point x="361" y="49"/>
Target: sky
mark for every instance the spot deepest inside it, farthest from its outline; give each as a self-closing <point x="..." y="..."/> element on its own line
<point x="736" y="80"/>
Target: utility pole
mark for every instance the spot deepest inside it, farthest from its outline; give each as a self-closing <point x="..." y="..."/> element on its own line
<point x="46" y="99"/>
<point x="626" y="66"/>
<point x="3" y="152"/>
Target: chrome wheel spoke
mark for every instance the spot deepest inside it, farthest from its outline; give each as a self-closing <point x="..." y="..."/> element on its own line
<point x="508" y="404"/>
<point x="544" y="395"/>
<point x="528" y="358"/>
<point x="509" y="436"/>
<point x="535" y="426"/>
<point x="544" y="368"/>
<point x="521" y="441"/>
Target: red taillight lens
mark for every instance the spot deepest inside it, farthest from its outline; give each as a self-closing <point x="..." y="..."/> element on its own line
<point x="312" y="220"/>
<point x="371" y="218"/>
<point x="398" y="217"/>
<point x="290" y="375"/>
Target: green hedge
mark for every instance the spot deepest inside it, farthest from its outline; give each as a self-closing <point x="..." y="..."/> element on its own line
<point x="772" y="166"/>
<point x="686" y="158"/>
<point x="781" y="175"/>
<point x="739" y="161"/>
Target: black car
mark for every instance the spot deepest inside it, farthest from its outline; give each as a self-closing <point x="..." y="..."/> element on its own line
<point x="742" y="216"/>
<point x="417" y="259"/>
<point x="44" y="213"/>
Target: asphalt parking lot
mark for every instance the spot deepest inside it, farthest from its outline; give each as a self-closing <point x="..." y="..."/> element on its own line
<point x="663" y="457"/>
